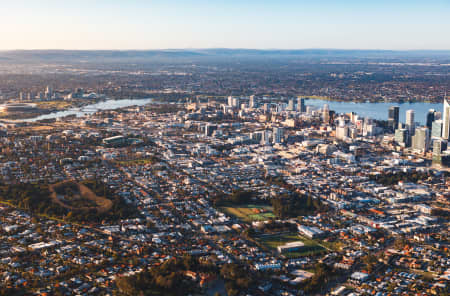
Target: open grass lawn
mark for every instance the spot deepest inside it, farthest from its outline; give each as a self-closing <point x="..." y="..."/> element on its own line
<point x="273" y="241"/>
<point x="250" y="213"/>
<point x="133" y="162"/>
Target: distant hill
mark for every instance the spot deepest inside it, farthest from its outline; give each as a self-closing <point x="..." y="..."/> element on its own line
<point x="105" y="56"/>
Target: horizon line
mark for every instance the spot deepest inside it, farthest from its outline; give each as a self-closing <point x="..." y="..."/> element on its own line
<point x="224" y="48"/>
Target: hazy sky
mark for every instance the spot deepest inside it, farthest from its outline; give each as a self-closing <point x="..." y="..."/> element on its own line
<point x="147" y="24"/>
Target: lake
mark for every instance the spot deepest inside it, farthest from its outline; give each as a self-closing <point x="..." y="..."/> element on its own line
<point x="378" y="110"/>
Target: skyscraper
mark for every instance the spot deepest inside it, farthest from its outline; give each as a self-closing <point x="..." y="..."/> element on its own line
<point x="401" y="136"/>
<point x="230" y="101"/>
<point x="436" y="129"/>
<point x="420" y="141"/>
<point x="252" y="103"/>
<point x="277" y="135"/>
<point x="236" y="102"/>
<point x="290" y="106"/>
<point x="438" y="147"/>
<point x="301" y="105"/>
<point x="430" y="118"/>
<point x="265" y="138"/>
<point x="446" y="120"/>
<point x="326" y="113"/>
<point x="410" y="124"/>
<point x="393" y="116"/>
<point x="49" y="92"/>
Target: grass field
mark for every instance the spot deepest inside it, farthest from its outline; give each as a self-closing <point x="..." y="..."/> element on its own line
<point x="250" y="213"/>
<point x="133" y="162"/>
<point x="82" y="199"/>
<point x="273" y="241"/>
<point x="54" y="104"/>
<point x="318" y="97"/>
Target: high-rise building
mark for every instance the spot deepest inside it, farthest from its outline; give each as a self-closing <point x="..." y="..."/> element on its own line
<point x="401" y="136"/>
<point x="420" y="141"/>
<point x="439" y="146"/>
<point x="342" y="132"/>
<point x="410" y="124"/>
<point x="265" y="138"/>
<point x="436" y="129"/>
<point x="236" y="102"/>
<point x="430" y="118"/>
<point x="230" y="101"/>
<point x="446" y="120"/>
<point x="252" y="103"/>
<point x="48" y="92"/>
<point x="291" y="106"/>
<point x="301" y="105"/>
<point x="393" y="116"/>
<point x="326" y="113"/>
<point x="277" y="135"/>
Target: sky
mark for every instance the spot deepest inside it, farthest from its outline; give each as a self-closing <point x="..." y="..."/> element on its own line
<point x="263" y="24"/>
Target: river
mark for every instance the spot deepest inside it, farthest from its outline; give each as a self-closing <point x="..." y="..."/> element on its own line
<point x="378" y="110"/>
<point x="92" y="108"/>
<point x="372" y="110"/>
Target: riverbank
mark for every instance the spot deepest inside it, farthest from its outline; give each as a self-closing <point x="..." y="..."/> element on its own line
<point x="48" y="107"/>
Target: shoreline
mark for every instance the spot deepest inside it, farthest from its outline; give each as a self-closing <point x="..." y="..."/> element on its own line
<point x="71" y="109"/>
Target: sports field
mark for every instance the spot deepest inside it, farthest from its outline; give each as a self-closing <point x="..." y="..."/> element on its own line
<point x="250" y="213"/>
<point x="271" y="242"/>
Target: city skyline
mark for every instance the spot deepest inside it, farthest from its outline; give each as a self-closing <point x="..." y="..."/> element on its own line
<point x="285" y="24"/>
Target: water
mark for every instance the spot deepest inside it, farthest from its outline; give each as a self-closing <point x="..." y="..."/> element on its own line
<point x="379" y="110"/>
<point x="92" y="108"/>
<point x="372" y="110"/>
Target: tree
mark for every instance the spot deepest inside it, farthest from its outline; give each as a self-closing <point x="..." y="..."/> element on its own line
<point x="370" y="261"/>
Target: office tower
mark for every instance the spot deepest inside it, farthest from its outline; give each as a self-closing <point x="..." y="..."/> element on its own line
<point x="266" y="107"/>
<point x="436" y="129"/>
<point x="290" y="106"/>
<point x="393" y="116"/>
<point x="236" y="102"/>
<point x="430" y="118"/>
<point x="326" y="113"/>
<point x="230" y="101"/>
<point x="410" y="124"/>
<point x="342" y="132"/>
<point x="420" y="141"/>
<point x="251" y="102"/>
<point x="301" y="105"/>
<point x="48" y="92"/>
<point x="265" y="138"/>
<point x="438" y="147"/>
<point x="353" y="117"/>
<point x="401" y="136"/>
<point x="277" y="135"/>
<point x="446" y="120"/>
